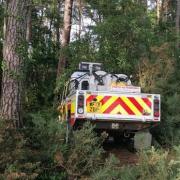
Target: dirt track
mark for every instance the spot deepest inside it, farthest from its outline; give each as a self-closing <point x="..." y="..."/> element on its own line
<point x="122" y="152"/>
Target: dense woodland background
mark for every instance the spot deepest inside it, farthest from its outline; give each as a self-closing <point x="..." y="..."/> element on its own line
<point x="42" y="43"/>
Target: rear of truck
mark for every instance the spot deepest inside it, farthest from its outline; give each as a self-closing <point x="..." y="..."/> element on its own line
<point x="110" y="102"/>
<point x="115" y="111"/>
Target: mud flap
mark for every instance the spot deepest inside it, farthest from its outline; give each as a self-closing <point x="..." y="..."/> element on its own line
<point x="67" y="132"/>
<point x="68" y="126"/>
<point x="142" y="140"/>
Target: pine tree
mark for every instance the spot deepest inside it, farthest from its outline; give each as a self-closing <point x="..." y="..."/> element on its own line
<point x="65" y="34"/>
<point x="178" y="21"/>
<point x="13" y="47"/>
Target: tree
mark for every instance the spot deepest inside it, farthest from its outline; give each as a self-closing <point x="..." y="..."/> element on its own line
<point x="1" y="36"/>
<point x="58" y="22"/>
<point x="158" y="9"/>
<point x="177" y="21"/>
<point x="29" y="24"/>
<point x="13" y="49"/>
<point x="65" y="35"/>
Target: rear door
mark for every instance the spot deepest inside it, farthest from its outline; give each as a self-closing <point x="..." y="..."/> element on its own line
<point x="119" y="106"/>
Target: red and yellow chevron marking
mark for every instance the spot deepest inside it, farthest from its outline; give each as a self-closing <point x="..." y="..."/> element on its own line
<point x="118" y="105"/>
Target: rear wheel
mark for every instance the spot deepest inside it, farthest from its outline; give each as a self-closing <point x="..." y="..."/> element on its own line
<point x="123" y="137"/>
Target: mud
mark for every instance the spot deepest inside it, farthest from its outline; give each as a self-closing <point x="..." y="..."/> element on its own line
<point x="123" y="151"/>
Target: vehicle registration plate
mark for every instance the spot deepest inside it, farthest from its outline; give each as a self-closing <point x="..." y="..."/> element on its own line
<point x="115" y="125"/>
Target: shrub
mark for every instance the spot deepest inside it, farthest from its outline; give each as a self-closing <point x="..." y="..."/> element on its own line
<point x="85" y="153"/>
<point x="13" y="155"/>
<point x="109" y="170"/>
<point x="153" y="164"/>
<point x="46" y="138"/>
<point x="159" y="164"/>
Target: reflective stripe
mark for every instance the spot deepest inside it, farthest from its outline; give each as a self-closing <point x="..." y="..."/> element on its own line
<point x="119" y="110"/>
<point x="143" y="104"/>
<point x="120" y="105"/>
<point x="108" y="103"/>
<point x="131" y="105"/>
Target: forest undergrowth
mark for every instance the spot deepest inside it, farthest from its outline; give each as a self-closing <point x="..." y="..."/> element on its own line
<point x="132" y="37"/>
<point x="40" y="152"/>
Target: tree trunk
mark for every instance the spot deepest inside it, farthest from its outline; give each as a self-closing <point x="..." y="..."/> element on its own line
<point x="58" y="23"/>
<point x="1" y="57"/>
<point x="1" y="53"/>
<point x="29" y="23"/>
<point x="177" y="22"/>
<point x="65" y="35"/>
<point x="79" y="6"/>
<point x="14" y="39"/>
<point x="158" y="9"/>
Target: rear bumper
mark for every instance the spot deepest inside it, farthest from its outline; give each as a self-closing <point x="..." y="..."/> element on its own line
<point x="120" y="118"/>
<point x="119" y="125"/>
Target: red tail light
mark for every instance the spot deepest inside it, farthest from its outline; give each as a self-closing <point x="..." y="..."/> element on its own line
<point x="80" y="108"/>
<point x="156" y="108"/>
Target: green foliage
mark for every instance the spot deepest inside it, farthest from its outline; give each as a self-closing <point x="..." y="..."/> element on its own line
<point x="123" y="35"/>
<point x="153" y="164"/>
<point x="40" y="67"/>
<point x="45" y="136"/>
<point x="43" y="129"/>
<point x="85" y="152"/>
<point x="14" y="155"/>
<point x="126" y="39"/>
<point x="43" y="154"/>
<point x="109" y="170"/>
<point x="161" y="75"/>
<point x="156" y="164"/>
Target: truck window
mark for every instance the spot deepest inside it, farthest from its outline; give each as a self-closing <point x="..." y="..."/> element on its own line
<point x="84" y="85"/>
<point x="73" y="86"/>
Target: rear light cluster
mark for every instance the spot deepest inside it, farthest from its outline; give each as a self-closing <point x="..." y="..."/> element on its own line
<point x="156" y="108"/>
<point x="80" y="108"/>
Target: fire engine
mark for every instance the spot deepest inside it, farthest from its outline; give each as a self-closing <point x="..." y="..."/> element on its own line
<point x="111" y="103"/>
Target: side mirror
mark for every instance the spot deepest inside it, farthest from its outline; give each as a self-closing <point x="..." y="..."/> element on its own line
<point x="131" y="76"/>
